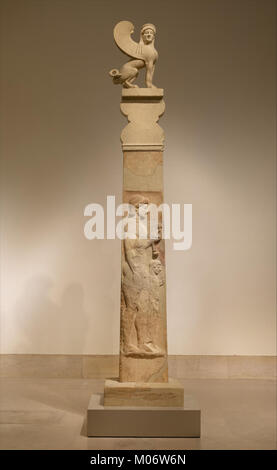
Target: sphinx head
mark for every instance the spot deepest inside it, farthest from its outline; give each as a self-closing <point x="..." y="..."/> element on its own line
<point x="148" y="33"/>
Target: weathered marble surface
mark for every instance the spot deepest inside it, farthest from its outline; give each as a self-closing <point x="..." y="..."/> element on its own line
<point x="166" y="394"/>
<point x="143" y="170"/>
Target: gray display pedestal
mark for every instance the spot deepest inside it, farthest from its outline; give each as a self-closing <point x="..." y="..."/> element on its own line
<point x="120" y="421"/>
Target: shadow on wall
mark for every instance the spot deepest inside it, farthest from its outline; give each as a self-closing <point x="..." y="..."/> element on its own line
<point x="43" y="323"/>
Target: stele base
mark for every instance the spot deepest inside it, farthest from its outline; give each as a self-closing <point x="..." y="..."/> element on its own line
<point x="143" y="410"/>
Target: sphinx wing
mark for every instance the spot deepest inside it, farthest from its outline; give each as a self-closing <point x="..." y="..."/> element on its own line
<point x="122" y="35"/>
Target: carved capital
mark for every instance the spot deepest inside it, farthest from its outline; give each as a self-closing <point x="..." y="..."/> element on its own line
<point x="143" y="107"/>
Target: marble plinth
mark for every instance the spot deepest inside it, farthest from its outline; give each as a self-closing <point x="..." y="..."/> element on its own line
<point x="165" y="394"/>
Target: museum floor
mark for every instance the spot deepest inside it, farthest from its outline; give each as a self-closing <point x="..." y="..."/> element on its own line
<point x="49" y="414"/>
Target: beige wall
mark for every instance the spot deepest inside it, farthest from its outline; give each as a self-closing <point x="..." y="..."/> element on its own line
<point x="60" y="292"/>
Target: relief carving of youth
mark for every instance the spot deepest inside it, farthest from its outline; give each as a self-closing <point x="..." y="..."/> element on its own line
<point x="141" y="280"/>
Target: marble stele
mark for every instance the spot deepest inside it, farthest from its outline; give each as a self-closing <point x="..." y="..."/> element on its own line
<point x="142" y="401"/>
<point x="143" y="334"/>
